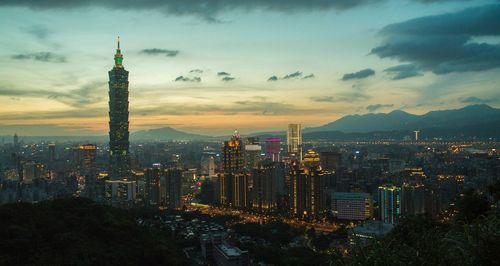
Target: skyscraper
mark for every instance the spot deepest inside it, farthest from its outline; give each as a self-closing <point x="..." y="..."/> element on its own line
<point x="233" y="181"/>
<point x="389" y="202"/>
<point x="119" y="157"/>
<point x="252" y="153"/>
<point x="294" y="140"/>
<point x="273" y="149"/>
<point x="308" y="186"/>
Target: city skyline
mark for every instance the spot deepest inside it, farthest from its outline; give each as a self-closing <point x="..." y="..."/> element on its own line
<point x="214" y="69"/>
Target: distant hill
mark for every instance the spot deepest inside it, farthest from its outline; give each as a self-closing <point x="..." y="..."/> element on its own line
<point x="402" y="121"/>
<point x="166" y="133"/>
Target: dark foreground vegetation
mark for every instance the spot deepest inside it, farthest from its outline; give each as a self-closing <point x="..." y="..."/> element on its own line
<point x="80" y="232"/>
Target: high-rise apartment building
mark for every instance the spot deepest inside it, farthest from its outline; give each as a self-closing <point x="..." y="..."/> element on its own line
<point x="389" y="202"/>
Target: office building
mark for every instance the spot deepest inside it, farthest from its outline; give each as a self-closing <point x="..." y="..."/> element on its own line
<point x="273" y="149"/>
<point x="354" y="206"/>
<point x="119" y="157"/>
<point x="294" y="140"/>
<point x="252" y="153"/>
<point x="268" y="185"/>
<point x="121" y="193"/>
<point x="172" y="188"/>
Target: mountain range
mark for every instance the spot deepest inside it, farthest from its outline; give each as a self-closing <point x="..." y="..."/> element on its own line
<point x="474" y="120"/>
<point x="398" y="120"/>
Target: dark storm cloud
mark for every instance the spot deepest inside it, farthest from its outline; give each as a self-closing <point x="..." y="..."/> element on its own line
<point x="403" y="71"/>
<point x="342" y="97"/>
<point x="206" y="9"/>
<point x="41" y="56"/>
<point x="157" y="51"/>
<point x="359" y="75"/>
<point x="445" y="43"/>
<point x="310" y="76"/>
<point x="197" y="71"/>
<point x="188" y="79"/>
<point x="227" y="79"/>
<point x="374" y="107"/>
<point x="223" y="74"/>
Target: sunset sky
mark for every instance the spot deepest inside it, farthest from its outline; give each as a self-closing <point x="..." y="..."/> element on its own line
<point x="212" y="66"/>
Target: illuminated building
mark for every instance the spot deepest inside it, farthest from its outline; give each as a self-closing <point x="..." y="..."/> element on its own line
<point x="233" y="181"/>
<point x="84" y="156"/>
<point x="309" y="185"/>
<point x="267" y="185"/>
<point x="273" y="149"/>
<point x="120" y="192"/>
<point x="252" y="153"/>
<point x="354" y="206"/>
<point x="31" y="171"/>
<point x="119" y="157"/>
<point x="389" y="200"/>
<point x="294" y="140"/>
<point x="232" y="154"/>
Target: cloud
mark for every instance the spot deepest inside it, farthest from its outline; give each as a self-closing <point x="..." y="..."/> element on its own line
<point x="272" y="78"/>
<point x="197" y="71"/>
<point x="157" y="51"/>
<point x="227" y="79"/>
<point x="205" y="9"/>
<point x="223" y="74"/>
<point x="475" y="100"/>
<point x="374" y="107"/>
<point x="41" y="56"/>
<point x="310" y="76"/>
<point x="85" y="95"/>
<point x="187" y="79"/>
<point x="403" y="71"/>
<point x="294" y="75"/>
<point x="445" y="43"/>
<point x="39" y="31"/>
<point x="359" y="75"/>
<point x="342" y="97"/>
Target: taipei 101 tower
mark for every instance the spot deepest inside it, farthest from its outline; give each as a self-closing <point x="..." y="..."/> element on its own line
<point x="119" y="157"/>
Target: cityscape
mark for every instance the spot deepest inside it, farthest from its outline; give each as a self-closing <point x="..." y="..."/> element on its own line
<point x="411" y="181"/>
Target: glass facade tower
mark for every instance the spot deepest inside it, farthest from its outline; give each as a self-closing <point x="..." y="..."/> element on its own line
<point x="119" y="157"/>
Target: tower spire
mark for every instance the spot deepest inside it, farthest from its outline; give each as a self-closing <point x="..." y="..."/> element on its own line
<point x="118" y="56"/>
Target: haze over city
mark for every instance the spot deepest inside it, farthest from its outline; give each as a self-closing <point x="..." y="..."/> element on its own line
<point x="209" y="67"/>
